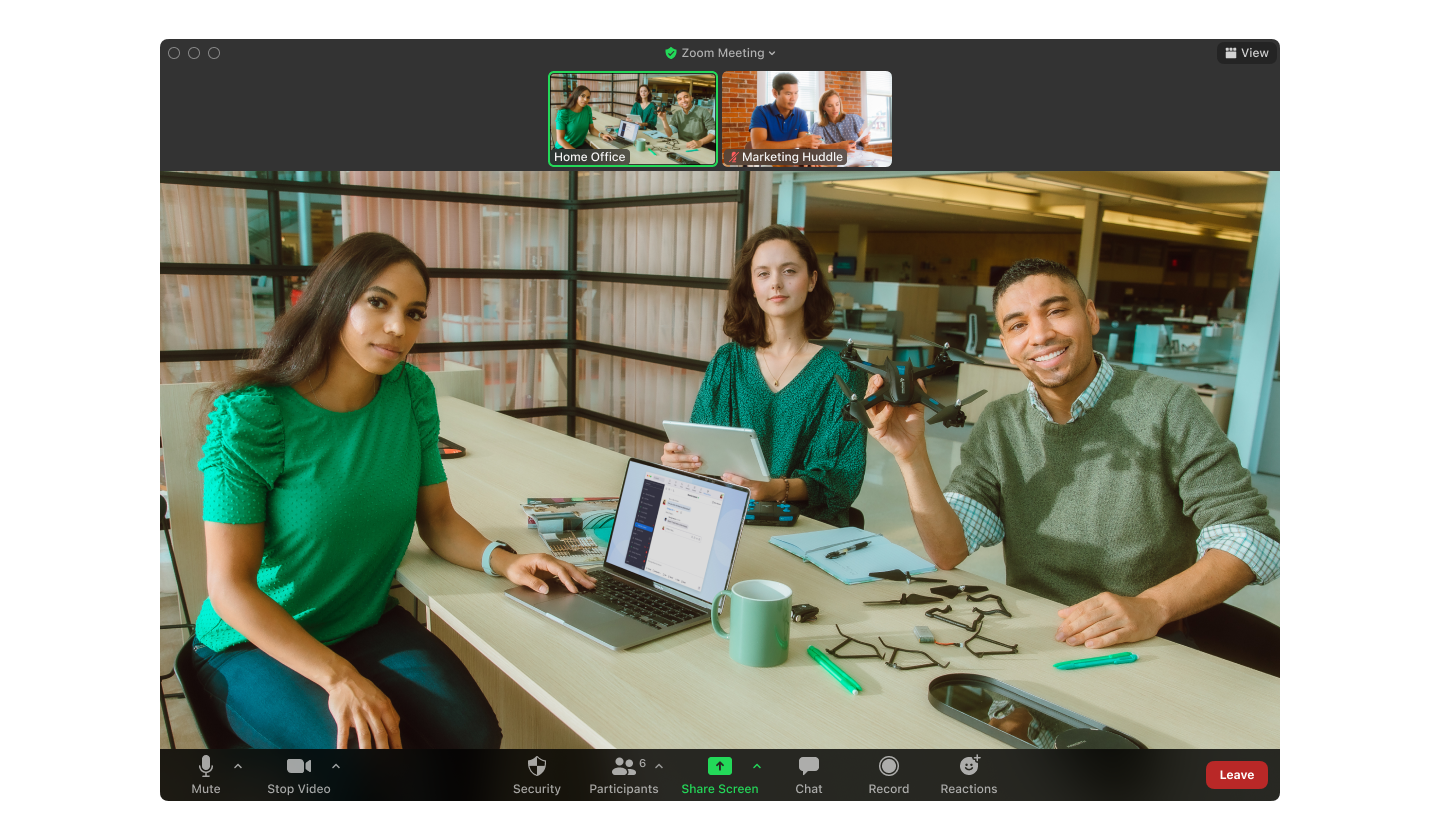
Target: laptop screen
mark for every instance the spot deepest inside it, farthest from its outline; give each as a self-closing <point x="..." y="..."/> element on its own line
<point x="677" y="529"/>
<point x="629" y="131"/>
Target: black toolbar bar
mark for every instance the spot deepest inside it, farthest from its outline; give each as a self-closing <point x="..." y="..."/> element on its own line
<point x="725" y="775"/>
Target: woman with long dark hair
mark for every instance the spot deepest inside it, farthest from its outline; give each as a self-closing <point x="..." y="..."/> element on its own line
<point x="319" y="461"/>
<point x="643" y="111"/>
<point x="574" y="121"/>
<point x="772" y="379"/>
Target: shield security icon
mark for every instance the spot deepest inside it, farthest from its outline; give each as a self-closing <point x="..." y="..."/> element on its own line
<point x="536" y="765"/>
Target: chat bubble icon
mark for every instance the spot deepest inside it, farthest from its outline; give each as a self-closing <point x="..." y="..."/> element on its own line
<point x="809" y="764"/>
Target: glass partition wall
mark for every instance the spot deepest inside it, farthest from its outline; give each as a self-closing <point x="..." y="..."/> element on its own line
<point x="612" y="281"/>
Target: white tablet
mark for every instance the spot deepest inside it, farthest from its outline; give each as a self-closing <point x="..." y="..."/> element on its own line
<point x="721" y="449"/>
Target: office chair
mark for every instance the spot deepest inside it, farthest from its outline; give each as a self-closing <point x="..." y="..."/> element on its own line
<point x="214" y="730"/>
<point x="857" y="519"/>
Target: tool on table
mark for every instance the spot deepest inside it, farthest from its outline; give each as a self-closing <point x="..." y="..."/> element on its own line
<point x="842" y="552"/>
<point x="803" y="612"/>
<point x="845" y="680"/>
<point x="902" y="386"/>
<point x="901" y="576"/>
<point x="991" y="597"/>
<point x="450" y="449"/>
<point x="938" y="614"/>
<point x="906" y="598"/>
<point x="835" y="651"/>
<point x="895" y="651"/>
<point x="981" y="654"/>
<point x="1112" y="659"/>
<point x="952" y="590"/>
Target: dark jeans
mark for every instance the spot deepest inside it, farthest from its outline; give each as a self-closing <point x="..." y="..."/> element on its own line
<point x="270" y="706"/>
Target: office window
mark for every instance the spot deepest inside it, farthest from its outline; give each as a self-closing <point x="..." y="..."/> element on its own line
<point x="596" y="184"/>
<point x="687" y="240"/>
<point x="877" y="104"/>
<point x="651" y="256"/>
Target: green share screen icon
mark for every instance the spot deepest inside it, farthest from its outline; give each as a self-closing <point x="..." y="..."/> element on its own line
<point x="719" y="765"/>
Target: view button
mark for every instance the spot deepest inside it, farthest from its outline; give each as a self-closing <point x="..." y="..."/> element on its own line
<point x="1223" y="775"/>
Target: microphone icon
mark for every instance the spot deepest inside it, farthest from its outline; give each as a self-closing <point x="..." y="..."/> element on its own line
<point x="205" y="766"/>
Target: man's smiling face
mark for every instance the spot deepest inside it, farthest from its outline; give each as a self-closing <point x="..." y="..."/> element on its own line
<point x="1045" y="330"/>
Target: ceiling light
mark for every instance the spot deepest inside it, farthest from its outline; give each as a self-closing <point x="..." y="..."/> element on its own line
<point x="1048" y="182"/>
<point x="1231" y="215"/>
<point x="1053" y="216"/>
<point x="1264" y="176"/>
<point x="1153" y="201"/>
<point x="1106" y="192"/>
<point x="1233" y="236"/>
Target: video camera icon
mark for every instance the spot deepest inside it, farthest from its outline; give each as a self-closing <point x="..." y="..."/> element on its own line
<point x="297" y="765"/>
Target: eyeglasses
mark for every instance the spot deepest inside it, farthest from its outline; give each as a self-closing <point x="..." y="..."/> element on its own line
<point x="835" y="651"/>
<point x="895" y="651"/>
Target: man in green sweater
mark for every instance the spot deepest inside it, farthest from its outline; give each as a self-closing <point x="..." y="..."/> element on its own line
<point x="1114" y="491"/>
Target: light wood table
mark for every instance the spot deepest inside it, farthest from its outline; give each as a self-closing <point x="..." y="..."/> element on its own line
<point x="552" y="687"/>
<point x="607" y="122"/>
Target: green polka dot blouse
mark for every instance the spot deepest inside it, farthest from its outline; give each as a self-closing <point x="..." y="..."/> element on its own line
<point x="800" y="428"/>
<point x="337" y="492"/>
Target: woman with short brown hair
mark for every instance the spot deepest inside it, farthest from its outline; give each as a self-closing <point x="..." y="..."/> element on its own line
<point x="772" y="379"/>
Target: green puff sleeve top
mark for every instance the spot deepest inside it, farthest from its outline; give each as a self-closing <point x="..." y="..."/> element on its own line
<point x="646" y="114"/>
<point x="800" y="428"/>
<point x="337" y="492"/>
<point x="572" y="126"/>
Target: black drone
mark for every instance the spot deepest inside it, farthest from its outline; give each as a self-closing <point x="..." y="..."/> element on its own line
<point x="901" y="388"/>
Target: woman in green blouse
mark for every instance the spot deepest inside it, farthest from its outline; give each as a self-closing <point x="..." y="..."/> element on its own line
<point x="319" y="461"/>
<point x="574" y="121"/>
<point x="770" y="378"/>
<point x="643" y="110"/>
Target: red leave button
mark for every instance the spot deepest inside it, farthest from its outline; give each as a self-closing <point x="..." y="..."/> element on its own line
<point x="1222" y="775"/>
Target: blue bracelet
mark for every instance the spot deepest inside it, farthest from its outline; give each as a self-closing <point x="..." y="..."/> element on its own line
<point x="485" y="558"/>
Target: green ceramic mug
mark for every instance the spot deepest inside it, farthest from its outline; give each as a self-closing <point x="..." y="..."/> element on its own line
<point x="759" y="622"/>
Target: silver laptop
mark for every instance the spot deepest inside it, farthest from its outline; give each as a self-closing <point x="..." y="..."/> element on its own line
<point x="670" y="555"/>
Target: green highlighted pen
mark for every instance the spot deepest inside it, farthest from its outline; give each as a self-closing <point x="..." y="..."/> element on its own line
<point x="1112" y="659"/>
<point x="840" y="676"/>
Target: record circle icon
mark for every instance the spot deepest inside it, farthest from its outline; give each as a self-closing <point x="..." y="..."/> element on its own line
<point x="889" y="766"/>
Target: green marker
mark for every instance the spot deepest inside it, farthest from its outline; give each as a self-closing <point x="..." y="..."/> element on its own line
<point x="840" y="676"/>
<point x="1111" y="659"/>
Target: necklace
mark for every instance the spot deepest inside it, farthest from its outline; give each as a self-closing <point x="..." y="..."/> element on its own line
<point x="782" y="370"/>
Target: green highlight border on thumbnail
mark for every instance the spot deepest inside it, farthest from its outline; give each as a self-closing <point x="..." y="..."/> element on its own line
<point x="550" y="129"/>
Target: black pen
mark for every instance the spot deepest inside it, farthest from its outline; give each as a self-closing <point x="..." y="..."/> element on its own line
<point x="856" y="547"/>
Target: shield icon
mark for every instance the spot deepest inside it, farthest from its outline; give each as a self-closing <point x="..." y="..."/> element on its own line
<point x="536" y="765"/>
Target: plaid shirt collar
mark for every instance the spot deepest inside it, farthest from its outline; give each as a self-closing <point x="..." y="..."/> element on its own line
<point x="1087" y="398"/>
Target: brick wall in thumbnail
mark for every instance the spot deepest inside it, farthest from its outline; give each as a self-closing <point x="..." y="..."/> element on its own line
<point x="737" y="103"/>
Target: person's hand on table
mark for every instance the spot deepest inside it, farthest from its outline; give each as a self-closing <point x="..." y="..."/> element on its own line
<point x="900" y="429"/>
<point x="357" y="704"/>
<point x="1109" y="619"/>
<point x="528" y="569"/>
<point x="677" y="458"/>
<point x="850" y="147"/>
<point x="693" y="144"/>
<point x="810" y="141"/>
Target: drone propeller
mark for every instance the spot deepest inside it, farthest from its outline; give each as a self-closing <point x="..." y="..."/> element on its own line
<point x="954" y="415"/>
<point x="855" y="409"/>
<point x="955" y="355"/>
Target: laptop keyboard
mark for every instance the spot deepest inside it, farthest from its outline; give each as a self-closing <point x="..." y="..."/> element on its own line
<point x="628" y="599"/>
